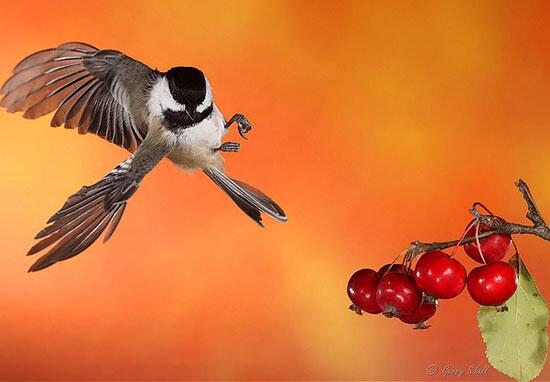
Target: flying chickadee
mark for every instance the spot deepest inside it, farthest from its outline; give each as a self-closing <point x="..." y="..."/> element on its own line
<point x="150" y="113"/>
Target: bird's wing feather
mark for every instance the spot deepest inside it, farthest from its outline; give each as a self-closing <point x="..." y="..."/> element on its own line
<point x="86" y="214"/>
<point x="84" y="217"/>
<point x="87" y="88"/>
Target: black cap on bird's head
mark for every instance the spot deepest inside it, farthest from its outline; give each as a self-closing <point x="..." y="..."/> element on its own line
<point x="187" y="85"/>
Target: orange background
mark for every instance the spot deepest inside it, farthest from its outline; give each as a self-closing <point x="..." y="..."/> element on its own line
<point x="375" y="124"/>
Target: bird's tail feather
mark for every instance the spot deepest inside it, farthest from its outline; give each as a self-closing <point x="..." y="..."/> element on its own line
<point x="249" y="199"/>
<point x="84" y="217"/>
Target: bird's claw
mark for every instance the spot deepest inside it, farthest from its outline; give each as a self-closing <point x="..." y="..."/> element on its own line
<point x="231" y="147"/>
<point x="243" y="125"/>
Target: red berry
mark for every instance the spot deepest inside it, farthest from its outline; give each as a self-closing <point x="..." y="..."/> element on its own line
<point x="439" y="275"/>
<point x="423" y="313"/>
<point x="493" y="247"/>
<point x="394" y="268"/>
<point x="492" y="284"/>
<point x="398" y="295"/>
<point x="362" y="290"/>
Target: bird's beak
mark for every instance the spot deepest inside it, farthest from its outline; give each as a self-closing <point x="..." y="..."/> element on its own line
<point x="191" y="116"/>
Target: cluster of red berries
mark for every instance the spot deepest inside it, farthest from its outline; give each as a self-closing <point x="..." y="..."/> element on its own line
<point x="412" y="296"/>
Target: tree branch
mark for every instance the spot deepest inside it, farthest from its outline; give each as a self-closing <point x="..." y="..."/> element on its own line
<point x="495" y="224"/>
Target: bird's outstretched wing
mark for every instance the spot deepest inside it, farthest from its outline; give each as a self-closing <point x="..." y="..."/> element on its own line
<point x="87" y="88"/>
<point x="83" y="217"/>
<point x="86" y="214"/>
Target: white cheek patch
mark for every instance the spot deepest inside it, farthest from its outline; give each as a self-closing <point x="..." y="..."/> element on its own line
<point x="161" y="99"/>
<point x="207" y="98"/>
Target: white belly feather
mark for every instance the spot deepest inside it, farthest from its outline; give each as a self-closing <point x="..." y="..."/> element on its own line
<point x="195" y="145"/>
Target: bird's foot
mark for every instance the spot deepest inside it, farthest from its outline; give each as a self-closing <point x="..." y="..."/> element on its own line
<point x="229" y="147"/>
<point x="243" y="125"/>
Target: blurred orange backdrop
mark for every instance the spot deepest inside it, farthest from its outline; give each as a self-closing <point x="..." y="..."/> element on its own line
<point x="375" y="124"/>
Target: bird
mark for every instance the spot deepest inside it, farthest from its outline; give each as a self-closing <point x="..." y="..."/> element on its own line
<point x="150" y="113"/>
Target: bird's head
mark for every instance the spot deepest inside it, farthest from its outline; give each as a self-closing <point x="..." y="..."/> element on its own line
<point x="188" y="86"/>
<point x="183" y="94"/>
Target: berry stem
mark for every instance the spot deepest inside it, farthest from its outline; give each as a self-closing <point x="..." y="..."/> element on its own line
<point x="392" y="263"/>
<point x="460" y="241"/>
<point x="518" y="257"/>
<point x="478" y="223"/>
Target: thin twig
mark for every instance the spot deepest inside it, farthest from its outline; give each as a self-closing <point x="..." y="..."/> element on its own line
<point x="533" y="213"/>
<point x="494" y="224"/>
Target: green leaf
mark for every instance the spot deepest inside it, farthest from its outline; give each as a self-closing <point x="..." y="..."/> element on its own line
<point x="517" y="339"/>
